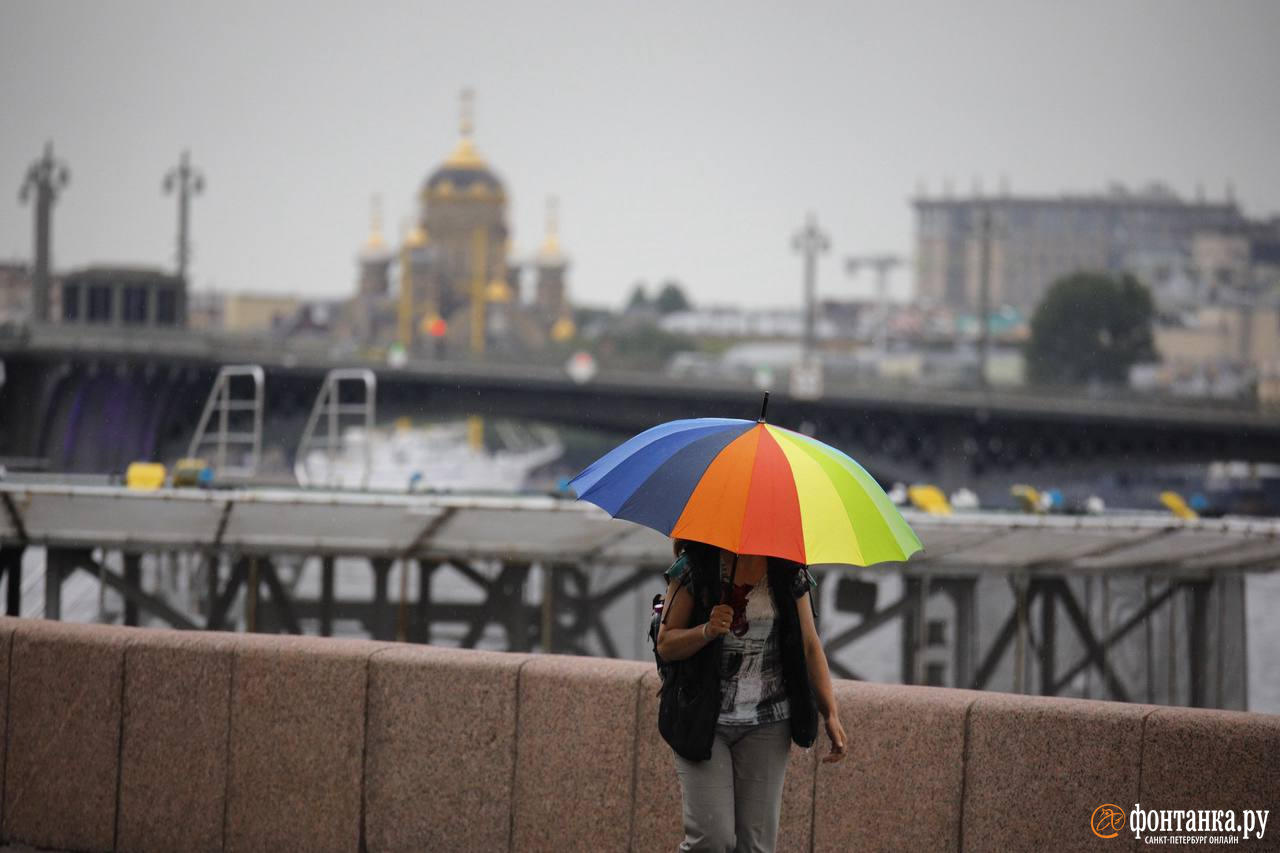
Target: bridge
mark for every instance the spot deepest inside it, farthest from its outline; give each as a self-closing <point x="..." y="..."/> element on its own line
<point x="93" y="400"/>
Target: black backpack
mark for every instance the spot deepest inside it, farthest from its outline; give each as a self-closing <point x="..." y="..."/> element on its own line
<point x="689" y="699"/>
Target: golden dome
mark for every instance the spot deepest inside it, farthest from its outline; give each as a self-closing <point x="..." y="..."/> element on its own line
<point x="563" y="329"/>
<point x="498" y="291"/>
<point x="417" y="238"/>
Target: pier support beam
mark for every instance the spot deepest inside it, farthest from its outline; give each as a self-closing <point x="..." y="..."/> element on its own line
<point x="382" y="628"/>
<point x="11" y="568"/>
<point x="326" y="596"/>
<point x="421" y="632"/>
<point x="1198" y="641"/>
<point x="55" y="562"/>
<point x="132" y="578"/>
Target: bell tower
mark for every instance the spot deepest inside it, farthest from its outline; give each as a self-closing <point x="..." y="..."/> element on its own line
<point x="551" y="264"/>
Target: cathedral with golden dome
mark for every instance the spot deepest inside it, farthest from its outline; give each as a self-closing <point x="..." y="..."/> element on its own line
<point x="458" y="286"/>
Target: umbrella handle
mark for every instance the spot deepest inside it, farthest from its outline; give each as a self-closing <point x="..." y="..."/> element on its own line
<point x="764" y="407"/>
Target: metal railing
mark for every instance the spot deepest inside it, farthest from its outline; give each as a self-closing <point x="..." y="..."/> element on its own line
<point x="330" y="410"/>
<point x="232" y="411"/>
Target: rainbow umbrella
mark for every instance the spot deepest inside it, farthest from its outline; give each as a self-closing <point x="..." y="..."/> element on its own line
<point x="752" y="488"/>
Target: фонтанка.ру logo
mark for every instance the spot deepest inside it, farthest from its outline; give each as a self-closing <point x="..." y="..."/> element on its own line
<point x="1180" y="826"/>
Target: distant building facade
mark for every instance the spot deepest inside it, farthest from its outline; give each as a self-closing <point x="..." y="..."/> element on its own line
<point x="15" y="292"/>
<point x="257" y="312"/>
<point x="1037" y="240"/>
<point x="1220" y="335"/>
<point x="204" y="310"/>
<point x="1240" y="264"/>
<point x="122" y="296"/>
<point x="733" y="323"/>
<point x="1231" y="322"/>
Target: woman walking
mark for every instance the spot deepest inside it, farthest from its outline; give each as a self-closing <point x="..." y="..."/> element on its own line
<point x="748" y="621"/>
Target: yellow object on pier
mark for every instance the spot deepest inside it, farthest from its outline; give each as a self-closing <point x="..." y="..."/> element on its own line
<point x="1174" y="502"/>
<point x="144" y="475"/>
<point x="930" y="499"/>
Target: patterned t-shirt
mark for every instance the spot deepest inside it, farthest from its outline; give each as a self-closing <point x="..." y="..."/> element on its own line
<point x="751" y="684"/>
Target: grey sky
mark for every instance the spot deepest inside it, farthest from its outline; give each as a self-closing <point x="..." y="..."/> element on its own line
<point x="685" y="140"/>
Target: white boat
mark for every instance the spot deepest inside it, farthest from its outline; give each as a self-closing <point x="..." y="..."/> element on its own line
<point x="431" y="458"/>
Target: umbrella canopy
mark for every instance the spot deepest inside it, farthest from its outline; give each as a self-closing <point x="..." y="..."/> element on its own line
<point x="752" y="488"/>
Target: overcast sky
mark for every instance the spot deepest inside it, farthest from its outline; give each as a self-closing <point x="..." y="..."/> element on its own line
<point x="685" y="140"/>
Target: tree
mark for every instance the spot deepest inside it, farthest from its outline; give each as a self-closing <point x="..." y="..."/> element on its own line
<point x="639" y="297"/>
<point x="1090" y="326"/>
<point x="671" y="299"/>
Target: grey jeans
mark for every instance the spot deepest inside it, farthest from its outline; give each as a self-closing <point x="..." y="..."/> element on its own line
<point x="731" y="800"/>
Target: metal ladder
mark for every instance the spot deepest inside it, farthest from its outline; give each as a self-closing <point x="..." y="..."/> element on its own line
<point x="330" y="409"/>
<point x="229" y="408"/>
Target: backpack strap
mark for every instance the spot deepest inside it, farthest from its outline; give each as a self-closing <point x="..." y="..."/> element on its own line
<point x="666" y="611"/>
<point x="676" y="573"/>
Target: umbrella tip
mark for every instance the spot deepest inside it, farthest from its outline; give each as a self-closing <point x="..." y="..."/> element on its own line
<point x="764" y="407"/>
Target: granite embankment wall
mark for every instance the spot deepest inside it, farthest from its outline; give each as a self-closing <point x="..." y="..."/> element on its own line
<point x="134" y="739"/>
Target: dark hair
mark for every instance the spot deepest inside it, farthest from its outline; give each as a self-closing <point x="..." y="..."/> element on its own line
<point x="698" y="552"/>
<point x="704" y="561"/>
<point x="790" y="565"/>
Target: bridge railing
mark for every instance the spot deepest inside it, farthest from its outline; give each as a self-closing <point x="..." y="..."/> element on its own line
<point x="326" y="352"/>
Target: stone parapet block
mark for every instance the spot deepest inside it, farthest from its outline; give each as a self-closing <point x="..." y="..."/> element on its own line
<point x="657" y="824"/>
<point x="173" y="755"/>
<point x="900" y="786"/>
<point x="575" y="754"/>
<point x="1196" y="759"/>
<point x="1037" y="768"/>
<point x="297" y="734"/>
<point x="62" y="762"/>
<point x="8" y="625"/>
<point x="795" y="821"/>
<point x="441" y="749"/>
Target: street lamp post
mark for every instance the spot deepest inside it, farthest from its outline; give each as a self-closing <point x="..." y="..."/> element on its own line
<point x="810" y="242"/>
<point x="45" y="178"/>
<point x="984" y="293"/>
<point x="186" y="181"/>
